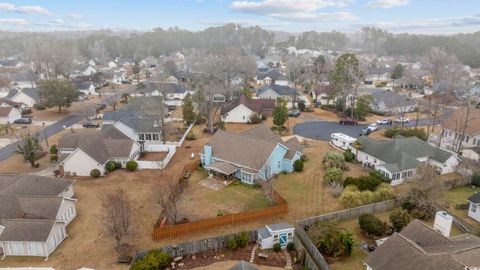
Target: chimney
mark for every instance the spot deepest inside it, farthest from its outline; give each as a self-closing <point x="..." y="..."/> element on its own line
<point x="155" y="123"/>
<point x="207" y="154"/>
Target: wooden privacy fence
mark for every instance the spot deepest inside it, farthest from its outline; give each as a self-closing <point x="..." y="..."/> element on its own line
<point x="280" y="207"/>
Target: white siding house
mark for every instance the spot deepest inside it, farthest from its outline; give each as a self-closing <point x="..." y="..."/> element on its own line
<point x="9" y="114"/>
<point x="474" y="208"/>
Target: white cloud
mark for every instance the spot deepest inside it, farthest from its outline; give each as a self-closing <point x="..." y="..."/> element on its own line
<point x="301" y="10"/>
<point x="57" y="21"/>
<point x="74" y="16"/>
<point x="387" y="3"/>
<point x="9" y="7"/>
<point x="13" y="22"/>
<point x="429" y="24"/>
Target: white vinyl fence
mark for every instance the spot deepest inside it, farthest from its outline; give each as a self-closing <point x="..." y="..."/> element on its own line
<point x="160" y="164"/>
<point x="180" y="142"/>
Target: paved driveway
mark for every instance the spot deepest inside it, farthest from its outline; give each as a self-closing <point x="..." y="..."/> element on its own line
<point x="321" y="130"/>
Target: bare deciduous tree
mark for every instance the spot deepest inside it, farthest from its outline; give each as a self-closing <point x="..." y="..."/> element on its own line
<point x="168" y="198"/>
<point x="117" y="214"/>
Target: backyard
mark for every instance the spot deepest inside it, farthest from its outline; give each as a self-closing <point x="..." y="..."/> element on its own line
<point x="459" y="196"/>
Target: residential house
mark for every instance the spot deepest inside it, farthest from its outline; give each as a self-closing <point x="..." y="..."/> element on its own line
<point x="324" y="94"/>
<point x="392" y="103"/>
<point x="241" y="109"/>
<point x="399" y="158"/>
<point x="454" y="130"/>
<point x="272" y="77"/>
<point x="274" y="91"/>
<point x="275" y="233"/>
<point x="34" y="214"/>
<point x="85" y="70"/>
<point x="112" y="64"/>
<point x="79" y="154"/>
<point x="174" y="93"/>
<point x="140" y="127"/>
<point x="472" y="153"/>
<point x="85" y="87"/>
<point x="11" y="63"/>
<point x="29" y="97"/>
<point x="22" y="80"/>
<point x="418" y="246"/>
<point x="116" y="77"/>
<point x="171" y="79"/>
<point x="219" y="98"/>
<point x="474" y="206"/>
<point x="377" y="74"/>
<point x="9" y="103"/>
<point x="8" y="115"/>
<point x="253" y="155"/>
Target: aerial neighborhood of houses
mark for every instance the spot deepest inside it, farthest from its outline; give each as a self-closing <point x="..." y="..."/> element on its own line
<point x="238" y="153"/>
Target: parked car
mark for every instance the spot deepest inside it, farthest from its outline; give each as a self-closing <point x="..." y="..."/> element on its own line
<point x="373" y="127"/>
<point x="89" y="124"/>
<point x="100" y="107"/>
<point x="402" y="120"/>
<point x="23" y="121"/>
<point x="348" y="121"/>
<point x="384" y="121"/>
<point x="365" y="131"/>
<point x="294" y="113"/>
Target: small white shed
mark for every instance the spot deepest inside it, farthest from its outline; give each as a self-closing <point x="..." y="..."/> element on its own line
<point x="275" y="233"/>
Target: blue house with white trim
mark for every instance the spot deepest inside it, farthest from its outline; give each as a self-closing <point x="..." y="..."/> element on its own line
<point x="255" y="154"/>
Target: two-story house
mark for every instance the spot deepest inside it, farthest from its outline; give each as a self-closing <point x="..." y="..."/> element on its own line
<point x="461" y="129"/>
<point x="271" y="77"/>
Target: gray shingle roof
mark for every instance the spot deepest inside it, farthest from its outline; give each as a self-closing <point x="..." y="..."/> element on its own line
<point x="272" y="74"/>
<point x="34" y="230"/>
<point x="4" y="111"/>
<point x="279" y="89"/>
<point x="418" y="246"/>
<point x="40" y="207"/>
<point x="279" y="226"/>
<point x="29" y="184"/>
<point x="294" y="146"/>
<point x="264" y="233"/>
<point x="119" y="114"/>
<point x="475" y="198"/>
<point x="34" y="93"/>
<point x="242" y="265"/>
<point x="166" y="87"/>
<point x="391" y="99"/>
<point x="223" y="167"/>
<point x="256" y="105"/>
<point x="239" y="149"/>
<point x="402" y="152"/>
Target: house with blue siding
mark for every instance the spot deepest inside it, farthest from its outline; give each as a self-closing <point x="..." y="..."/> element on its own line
<point x="255" y="154"/>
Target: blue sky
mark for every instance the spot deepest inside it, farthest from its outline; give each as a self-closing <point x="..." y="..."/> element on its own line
<point x="413" y="16"/>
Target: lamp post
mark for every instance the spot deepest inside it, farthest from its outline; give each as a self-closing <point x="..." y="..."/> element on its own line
<point x="45" y="133"/>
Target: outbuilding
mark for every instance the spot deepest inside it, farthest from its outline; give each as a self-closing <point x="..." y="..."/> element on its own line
<point x="272" y="234"/>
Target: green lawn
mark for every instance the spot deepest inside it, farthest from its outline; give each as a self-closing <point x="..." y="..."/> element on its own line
<point x="236" y="194"/>
<point x="460" y="195"/>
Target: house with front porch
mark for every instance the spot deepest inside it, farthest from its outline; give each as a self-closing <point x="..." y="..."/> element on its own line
<point x="253" y="155"/>
<point x="399" y="158"/>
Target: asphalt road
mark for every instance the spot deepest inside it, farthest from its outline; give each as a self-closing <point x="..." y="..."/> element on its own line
<point x="51" y="130"/>
<point x="322" y="130"/>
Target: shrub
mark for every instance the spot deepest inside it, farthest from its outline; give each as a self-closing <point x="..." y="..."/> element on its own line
<point x="298" y="165"/>
<point x="406" y="132"/>
<point x="351" y="197"/>
<point x="380" y="176"/>
<point x="476" y="180"/>
<point x="363" y="182"/>
<point x="190" y="136"/>
<point x="254" y="119"/>
<point x="53" y="158"/>
<point x="333" y="175"/>
<point x="290" y="246"/>
<point x="95" y="173"/>
<point x="53" y="149"/>
<point x="399" y="218"/>
<point x="349" y="156"/>
<point x="462" y="206"/>
<point x="155" y="259"/>
<point x="336" y="189"/>
<point x="232" y="243"/>
<point x="118" y="165"/>
<point x="111" y="166"/>
<point x="242" y="239"/>
<point x="131" y="165"/>
<point x="367" y="197"/>
<point x="277" y="247"/>
<point x="371" y="225"/>
<point x="334" y="160"/>
<point x="334" y="241"/>
<point x="39" y="106"/>
<point x="383" y="192"/>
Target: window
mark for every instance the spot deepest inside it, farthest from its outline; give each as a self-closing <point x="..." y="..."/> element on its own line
<point x="473" y="207"/>
<point x="275" y="236"/>
<point x="141" y="137"/>
<point x="375" y="161"/>
<point x="394" y="176"/>
<point x="404" y="174"/>
<point x="148" y="137"/>
<point x="366" y="157"/>
<point x="474" y="141"/>
<point x="290" y="234"/>
<point x="156" y="136"/>
<point x="409" y="173"/>
<point x="467" y="138"/>
<point x="279" y="164"/>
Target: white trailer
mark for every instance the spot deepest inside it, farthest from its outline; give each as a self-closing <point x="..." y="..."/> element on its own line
<point x="341" y="141"/>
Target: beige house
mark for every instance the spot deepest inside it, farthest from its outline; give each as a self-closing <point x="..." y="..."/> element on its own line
<point x="454" y="130"/>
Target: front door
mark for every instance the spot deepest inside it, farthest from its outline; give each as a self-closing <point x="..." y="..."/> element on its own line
<point x="283" y="239"/>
